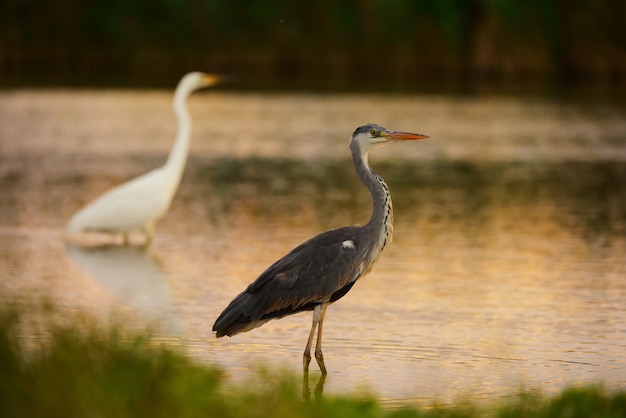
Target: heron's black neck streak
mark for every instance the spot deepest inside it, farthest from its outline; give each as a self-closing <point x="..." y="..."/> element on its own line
<point x="379" y="228"/>
<point x="382" y="212"/>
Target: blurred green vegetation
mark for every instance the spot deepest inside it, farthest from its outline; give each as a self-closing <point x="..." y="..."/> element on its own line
<point x="396" y="44"/>
<point x="76" y="368"/>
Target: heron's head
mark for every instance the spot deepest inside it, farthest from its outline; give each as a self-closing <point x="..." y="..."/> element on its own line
<point x="372" y="136"/>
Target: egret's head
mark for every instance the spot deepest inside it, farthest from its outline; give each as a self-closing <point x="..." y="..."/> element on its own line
<point x="197" y="80"/>
<point x="200" y="80"/>
<point x="372" y="136"/>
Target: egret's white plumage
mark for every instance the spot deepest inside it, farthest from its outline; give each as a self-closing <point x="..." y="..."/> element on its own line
<point x="140" y="203"/>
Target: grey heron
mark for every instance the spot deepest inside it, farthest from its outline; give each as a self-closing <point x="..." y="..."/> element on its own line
<point x="323" y="269"/>
<point x="140" y="203"/>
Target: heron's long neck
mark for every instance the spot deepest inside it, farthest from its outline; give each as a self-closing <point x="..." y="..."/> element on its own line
<point x="380" y="224"/>
<point x="178" y="154"/>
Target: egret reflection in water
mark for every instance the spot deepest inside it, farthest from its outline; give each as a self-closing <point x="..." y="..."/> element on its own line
<point x="134" y="276"/>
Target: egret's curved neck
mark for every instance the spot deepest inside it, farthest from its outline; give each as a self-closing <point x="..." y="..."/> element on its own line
<point x="380" y="224"/>
<point x="178" y="154"/>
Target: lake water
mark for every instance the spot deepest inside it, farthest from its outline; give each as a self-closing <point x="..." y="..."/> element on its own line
<point x="508" y="264"/>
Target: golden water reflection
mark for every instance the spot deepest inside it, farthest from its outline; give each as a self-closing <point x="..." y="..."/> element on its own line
<point x="503" y="269"/>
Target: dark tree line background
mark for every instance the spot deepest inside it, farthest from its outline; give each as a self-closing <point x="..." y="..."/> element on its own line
<point x="327" y="43"/>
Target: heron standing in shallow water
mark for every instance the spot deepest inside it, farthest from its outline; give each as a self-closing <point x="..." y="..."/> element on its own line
<point x="140" y="203"/>
<point x="323" y="269"/>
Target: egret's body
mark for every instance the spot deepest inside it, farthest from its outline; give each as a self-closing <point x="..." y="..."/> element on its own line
<point x="323" y="269"/>
<point x="140" y="203"/>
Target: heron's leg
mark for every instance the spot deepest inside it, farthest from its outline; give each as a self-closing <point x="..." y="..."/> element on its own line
<point x="306" y="358"/>
<point x="318" y="347"/>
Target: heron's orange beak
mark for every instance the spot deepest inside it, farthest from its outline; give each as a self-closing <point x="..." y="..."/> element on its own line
<point x="404" y="136"/>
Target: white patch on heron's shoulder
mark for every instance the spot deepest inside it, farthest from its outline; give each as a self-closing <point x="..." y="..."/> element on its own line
<point x="348" y="244"/>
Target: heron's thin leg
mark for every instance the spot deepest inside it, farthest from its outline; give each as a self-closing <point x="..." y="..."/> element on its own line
<point x="306" y="358"/>
<point x="318" y="347"/>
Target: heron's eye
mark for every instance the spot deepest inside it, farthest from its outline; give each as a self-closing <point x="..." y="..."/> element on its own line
<point x="374" y="132"/>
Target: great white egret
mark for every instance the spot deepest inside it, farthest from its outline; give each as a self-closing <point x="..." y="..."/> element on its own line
<point x="140" y="203"/>
<point x="323" y="269"/>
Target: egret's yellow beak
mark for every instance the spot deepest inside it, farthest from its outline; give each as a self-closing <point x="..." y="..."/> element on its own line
<point x="402" y="136"/>
<point x="211" y="79"/>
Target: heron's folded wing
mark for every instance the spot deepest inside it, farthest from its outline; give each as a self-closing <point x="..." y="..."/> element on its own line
<point x="309" y="274"/>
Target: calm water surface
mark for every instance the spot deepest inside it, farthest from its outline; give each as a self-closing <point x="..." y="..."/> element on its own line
<point x="509" y="257"/>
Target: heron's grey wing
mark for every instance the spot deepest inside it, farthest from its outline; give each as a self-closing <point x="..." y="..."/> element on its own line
<point x="312" y="273"/>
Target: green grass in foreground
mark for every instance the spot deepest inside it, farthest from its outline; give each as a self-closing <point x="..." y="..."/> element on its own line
<point x="84" y="370"/>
